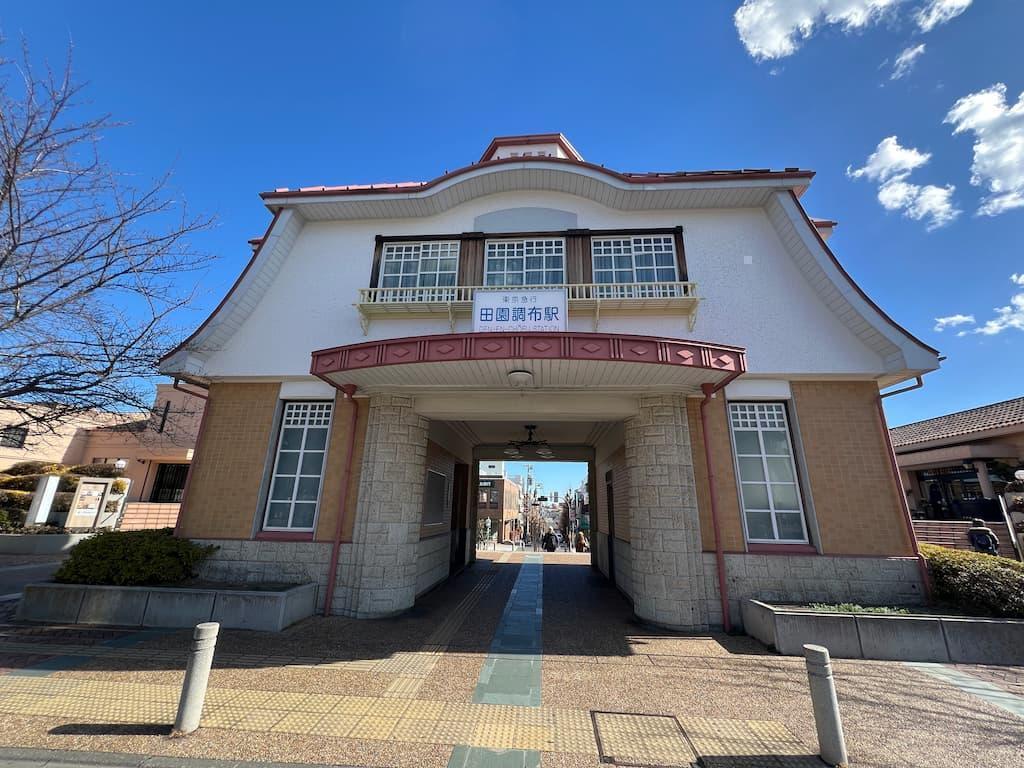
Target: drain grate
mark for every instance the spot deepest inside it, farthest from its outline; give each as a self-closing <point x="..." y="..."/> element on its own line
<point x="643" y="741"/>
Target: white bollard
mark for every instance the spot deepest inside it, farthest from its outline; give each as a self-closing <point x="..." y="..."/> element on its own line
<point x="197" y="675"/>
<point x="831" y="743"/>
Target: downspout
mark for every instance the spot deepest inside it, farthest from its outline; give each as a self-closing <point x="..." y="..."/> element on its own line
<point x="922" y="564"/>
<point x="199" y="437"/>
<point x="349" y="391"/>
<point x="709" y="391"/>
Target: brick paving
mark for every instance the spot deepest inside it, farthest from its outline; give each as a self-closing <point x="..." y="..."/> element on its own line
<point x="400" y="692"/>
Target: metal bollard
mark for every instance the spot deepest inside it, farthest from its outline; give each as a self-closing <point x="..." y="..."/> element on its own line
<point x="197" y="675"/>
<point x="831" y="742"/>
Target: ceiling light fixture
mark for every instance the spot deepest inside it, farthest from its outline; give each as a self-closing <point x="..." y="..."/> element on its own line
<point x="540" y="448"/>
<point x="520" y="379"/>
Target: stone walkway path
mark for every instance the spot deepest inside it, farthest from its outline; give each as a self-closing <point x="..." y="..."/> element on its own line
<point x="525" y="660"/>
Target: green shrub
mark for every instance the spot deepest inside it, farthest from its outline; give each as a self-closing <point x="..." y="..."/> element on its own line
<point x="95" y="470"/>
<point x="35" y="468"/>
<point x="855" y="608"/>
<point x="19" y="500"/>
<point x="29" y="482"/>
<point x="982" y="585"/>
<point x="133" y="558"/>
<point x="119" y="486"/>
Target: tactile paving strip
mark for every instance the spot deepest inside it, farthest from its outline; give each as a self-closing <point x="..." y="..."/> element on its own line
<point x="642" y="740"/>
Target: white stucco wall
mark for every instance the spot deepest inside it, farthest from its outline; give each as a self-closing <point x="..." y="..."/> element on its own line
<point x="753" y="294"/>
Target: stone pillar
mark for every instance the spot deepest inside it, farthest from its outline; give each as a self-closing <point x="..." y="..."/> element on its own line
<point x="380" y="578"/>
<point x="981" y="467"/>
<point x="668" y="570"/>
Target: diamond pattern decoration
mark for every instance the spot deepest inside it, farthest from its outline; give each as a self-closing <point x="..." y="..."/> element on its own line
<point x="591" y="347"/>
<point x="639" y="350"/>
<point x="541" y="346"/>
<point x="491" y="347"/>
<point x="400" y="352"/>
<point x="444" y="349"/>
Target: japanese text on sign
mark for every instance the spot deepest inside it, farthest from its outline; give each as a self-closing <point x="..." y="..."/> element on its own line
<point x="526" y="309"/>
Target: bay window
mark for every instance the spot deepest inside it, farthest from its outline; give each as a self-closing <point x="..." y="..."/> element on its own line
<point x="766" y="471"/>
<point x="525" y="262"/>
<point x="298" y="466"/>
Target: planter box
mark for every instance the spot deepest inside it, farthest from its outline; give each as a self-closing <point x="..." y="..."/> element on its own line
<point x="958" y="639"/>
<point x="39" y="543"/>
<point x="171" y="607"/>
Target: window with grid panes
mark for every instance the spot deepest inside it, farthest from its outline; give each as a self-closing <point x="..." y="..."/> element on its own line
<point x="621" y="262"/>
<point x="298" y="466"/>
<point x="525" y="262"/>
<point x="769" y="492"/>
<point x="420" y="265"/>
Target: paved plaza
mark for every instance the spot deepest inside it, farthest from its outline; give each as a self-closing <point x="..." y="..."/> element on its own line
<point x="525" y="659"/>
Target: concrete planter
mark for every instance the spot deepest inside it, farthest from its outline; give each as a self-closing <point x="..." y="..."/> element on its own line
<point x="958" y="639"/>
<point x="39" y="543"/>
<point x="170" y="607"/>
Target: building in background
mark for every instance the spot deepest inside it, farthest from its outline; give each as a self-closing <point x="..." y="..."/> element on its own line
<point x="957" y="466"/>
<point x="500" y="501"/>
<point x="156" y="449"/>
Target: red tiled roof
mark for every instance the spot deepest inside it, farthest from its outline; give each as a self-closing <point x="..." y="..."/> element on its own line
<point x="1008" y="413"/>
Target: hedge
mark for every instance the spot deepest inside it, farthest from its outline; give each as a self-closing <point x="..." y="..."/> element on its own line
<point x="16" y="500"/>
<point x="133" y="558"/>
<point x="981" y="585"/>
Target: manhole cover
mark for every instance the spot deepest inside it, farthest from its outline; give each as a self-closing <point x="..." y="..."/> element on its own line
<point x="641" y="740"/>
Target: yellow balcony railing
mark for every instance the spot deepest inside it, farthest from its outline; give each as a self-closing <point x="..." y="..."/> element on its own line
<point x="595" y="299"/>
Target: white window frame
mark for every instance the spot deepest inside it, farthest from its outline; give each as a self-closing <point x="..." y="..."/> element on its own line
<point x="287" y="407"/>
<point x="406" y="254"/>
<point x="520" y="249"/>
<point x="762" y="423"/>
<point x="633" y="247"/>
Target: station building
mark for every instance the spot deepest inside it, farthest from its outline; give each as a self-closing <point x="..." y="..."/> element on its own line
<point x="690" y="335"/>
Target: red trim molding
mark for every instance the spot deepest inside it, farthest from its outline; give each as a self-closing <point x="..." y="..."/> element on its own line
<point x="608" y="347"/>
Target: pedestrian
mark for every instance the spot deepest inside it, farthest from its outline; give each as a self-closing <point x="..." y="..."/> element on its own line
<point x="983" y="539"/>
<point x="581" y="542"/>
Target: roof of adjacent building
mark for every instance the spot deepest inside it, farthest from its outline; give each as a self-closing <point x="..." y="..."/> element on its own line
<point x="1008" y="413"/>
<point x="573" y="157"/>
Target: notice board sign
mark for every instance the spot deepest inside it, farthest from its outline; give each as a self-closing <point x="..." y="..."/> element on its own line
<point x="522" y="309"/>
<point x="87" y="508"/>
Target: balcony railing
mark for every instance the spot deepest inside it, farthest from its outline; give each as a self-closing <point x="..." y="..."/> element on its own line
<point x="675" y="298"/>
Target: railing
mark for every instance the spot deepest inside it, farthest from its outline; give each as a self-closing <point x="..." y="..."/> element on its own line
<point x="575" y="292"/>
<point x="678" y="298"/>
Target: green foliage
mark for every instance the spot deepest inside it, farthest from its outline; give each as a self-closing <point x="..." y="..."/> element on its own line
<point x="16" y="500"/>
<point x="982" y="585"/>
<point x="119" y="486"/>
<point x="854" y="608"/>
<point x="28" y="482"/>
<point x="95" y="470"/>
<point x="133" y="558"/>
<point x="11" y="520"/>
<point x="35" y="468"/>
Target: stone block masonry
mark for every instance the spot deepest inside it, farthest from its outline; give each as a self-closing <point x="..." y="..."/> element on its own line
<point x="381" y="574"/>
<point x="668" y="569"/>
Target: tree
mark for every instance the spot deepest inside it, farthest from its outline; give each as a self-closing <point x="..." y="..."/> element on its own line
<point x="90" y="266"/>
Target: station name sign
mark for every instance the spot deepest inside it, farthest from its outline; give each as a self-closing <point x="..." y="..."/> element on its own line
<point x="522" y="309"/>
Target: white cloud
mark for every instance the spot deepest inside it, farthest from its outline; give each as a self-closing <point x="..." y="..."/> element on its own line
<point x="1010" y="316"/>
<point x="936" y="12"/>
<point x="888" y="160"/>
<point x="998" y="146"/>
<point x="890" y="165"/>
<point x="951" y="321"/>
<point x="905" y="61"/>
<point x="774" y="29"/>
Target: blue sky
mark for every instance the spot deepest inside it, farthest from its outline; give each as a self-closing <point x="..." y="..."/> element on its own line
<point x="558" y="476"/>
<point x="241" y="98"/>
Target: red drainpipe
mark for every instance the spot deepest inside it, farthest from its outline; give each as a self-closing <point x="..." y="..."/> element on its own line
<point x="332" y="570"/>
<point x="922" y="564"/>
<point x="723" y="590"/>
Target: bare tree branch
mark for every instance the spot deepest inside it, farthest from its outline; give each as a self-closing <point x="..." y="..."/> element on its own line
<point x="90" y="266"/>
